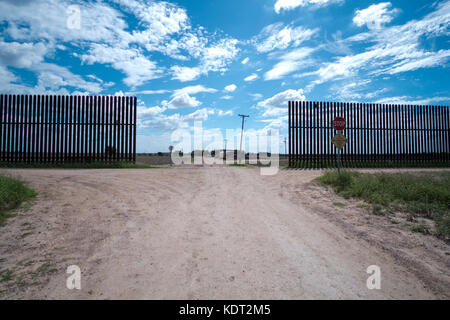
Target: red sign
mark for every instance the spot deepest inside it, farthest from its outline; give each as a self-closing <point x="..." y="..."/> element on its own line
<point x="339" y="123"/>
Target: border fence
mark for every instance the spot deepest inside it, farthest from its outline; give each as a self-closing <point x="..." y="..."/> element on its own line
<point x="55" y="129"/>
<point x="378" y="134"/>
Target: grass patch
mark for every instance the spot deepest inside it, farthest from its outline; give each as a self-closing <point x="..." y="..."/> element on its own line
<point x="331" y="164"/>
<point x="12" y="193"/>
<point x="339" y="204"/>
<point x="45" y="268"/>
<point x="24" y="235"/>
<point x="420" y="228"/>
<point x="421" y="194"/>
<point x="239" y="165"/>
<point x="87" y="165"/>
<point x="6" y="275"/>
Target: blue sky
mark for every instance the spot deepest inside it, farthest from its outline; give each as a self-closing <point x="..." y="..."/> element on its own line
<point x="209" y="60"/>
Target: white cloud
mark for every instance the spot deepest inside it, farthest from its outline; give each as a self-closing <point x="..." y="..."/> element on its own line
<point x="277" y="36"/>
<point x="213" y="58"/>
<point x="106" y="38"/>
<point x="149" y="92"/>
<point x="355" y="91"/>
<point x="143" y="112"/>
<point x="51" y="79"/>
<point x="222" y="113"/>
<point x="230" y="88"/>
<point x="176" y="121"/>
<point x="132" y="62"/>
<point x="279" y="123"/>
<point x="292" y="4"/>
<point x="218" y="56"/>
<point x="251" y="77"/>
<point x="278" y="104"/>
<point x="199" y="115"/>
<point x="47" y="19"/>
<point x="412" y="100"/>
<point x="6" y="78"/>
<point x="292" y="61"/>
<point x="256" y="96"/>
<point x="245" y="60"/>
<point x="22" y="55"/>
<point x="159" y="19"/>
<point x="396" y="49"/>
<point x="226" y="97"/>
<point x="184" y="74"/>
<point x="427" y="60"/>
<point x="183" y="100"/>
<point x="375" y="15"/>
<point x="193" y="90"/>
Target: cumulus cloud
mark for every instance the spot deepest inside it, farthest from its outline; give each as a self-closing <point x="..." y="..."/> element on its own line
<point x="149" y="92"/>
<point x="292" y="4"/>
<point x="222" y="113"/>
<point x="22" y="55"/>
<point x="143" y="112"/>
<point x="104" y="37"/>
<point x="230" y="88"/>
<point x="213" y="58"/>
<point x="47" y="19"/>
<point x="251" y="77"/>
<point x="176" y="121"/>
<point x="51" y="79"/>
<point x="183" y="100"/>
<point x="193" y="90"/>
<point x="277" y="105"/>
<point x="185" y="74"/>
<point x="132" y="62"/>
<point x="375" y="15"/>
<point x="159" y="20"/>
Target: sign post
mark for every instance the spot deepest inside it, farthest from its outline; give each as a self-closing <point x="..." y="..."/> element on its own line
<point x="339" y="140"/>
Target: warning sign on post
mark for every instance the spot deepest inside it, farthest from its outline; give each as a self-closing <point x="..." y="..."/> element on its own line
<point x="339" y="140"/>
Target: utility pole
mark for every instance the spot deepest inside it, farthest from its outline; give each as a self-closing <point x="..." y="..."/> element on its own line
<point x="243" y="116"/>
<point x="285" y="152"/>
<point x="225" y="150"/>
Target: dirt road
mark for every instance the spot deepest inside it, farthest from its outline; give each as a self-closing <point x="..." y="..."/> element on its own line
<point x="204" y="232"/>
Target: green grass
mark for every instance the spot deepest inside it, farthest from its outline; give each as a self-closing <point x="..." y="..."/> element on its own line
<point x="339" y="204"/>
<point x="12" y="193"/>
<point x="421" y="194"/>
<point x="258" y="164"/>
<point x="239" y="165"/>
<point x="6" y="275"/>
<point x="331" y="164"/>
<point x="420" y="228"/>
<point x="87" y="165"/>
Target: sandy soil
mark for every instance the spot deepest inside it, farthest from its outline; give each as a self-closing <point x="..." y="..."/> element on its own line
<point x="209" y="233"/>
